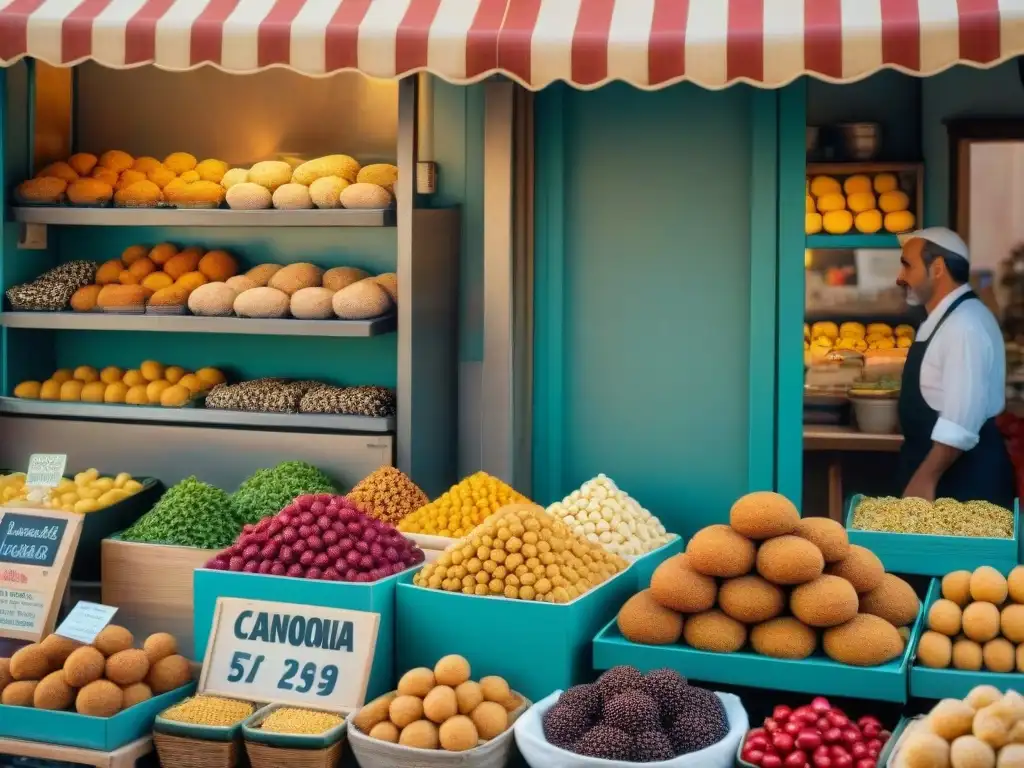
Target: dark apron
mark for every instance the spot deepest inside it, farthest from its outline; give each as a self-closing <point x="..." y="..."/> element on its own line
<point x="983" y="473"/>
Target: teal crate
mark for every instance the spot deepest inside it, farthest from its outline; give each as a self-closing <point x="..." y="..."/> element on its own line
<point x="816" y="675"/>
<point x="103" y="734"/>
<point x="936" y="684"/>
<point x="645" y="565"/>
<point x="98" y="525"/>
<point x="924" y="555"/>
<point x="536" y="647"/>
<point x="374" y="597"/>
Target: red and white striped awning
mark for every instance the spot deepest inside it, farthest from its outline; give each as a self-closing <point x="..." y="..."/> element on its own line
<point x="648" y="43"/>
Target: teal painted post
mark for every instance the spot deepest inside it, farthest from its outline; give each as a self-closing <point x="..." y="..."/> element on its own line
<point x="763" y="232"/>
<point x="792" y="241"/>
<point x="549" y="298"/>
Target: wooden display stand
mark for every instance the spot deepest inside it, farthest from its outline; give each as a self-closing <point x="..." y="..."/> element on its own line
<point x="125" y="757"/>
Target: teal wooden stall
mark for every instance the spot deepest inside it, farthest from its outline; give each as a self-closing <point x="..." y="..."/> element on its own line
<point x="630" y="303"/>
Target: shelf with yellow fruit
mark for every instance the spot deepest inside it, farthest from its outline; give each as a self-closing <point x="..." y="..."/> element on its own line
<point x="861" y="205"/>
<point x="157" y="393"/>
<point x="116" y="189"/>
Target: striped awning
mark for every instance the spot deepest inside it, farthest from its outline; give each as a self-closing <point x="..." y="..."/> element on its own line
<point x="648" y="43"/>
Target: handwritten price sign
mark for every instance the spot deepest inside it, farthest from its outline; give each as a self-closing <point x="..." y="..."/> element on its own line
<point x="290" y="654"/>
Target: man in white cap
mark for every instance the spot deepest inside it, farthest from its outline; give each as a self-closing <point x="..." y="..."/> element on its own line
<point x="953" y="381"/>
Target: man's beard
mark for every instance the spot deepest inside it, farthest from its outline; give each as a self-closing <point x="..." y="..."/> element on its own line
<point x="918" y="297"/>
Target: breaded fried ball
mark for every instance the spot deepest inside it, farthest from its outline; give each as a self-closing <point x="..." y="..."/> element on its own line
<point x="1015" y="584"/>
<point x="923" y="749"/>
<point x="827" y="535"/>
<point x="981" y="696"/>
<point x="789" y="560"/>
<point x="168" y="674"/>
<point x="416" y="682"/>
<point x="57" y="649"/>
<point x="944" y="616"/>
<point x="950" y="719"/>
<point x="967" y="655"/>
<point x="452" y="671"/>
<point x="136" y="694"/>
<point x="643" y="620"/>
<point x="784" y="638"/>
<point x="934" y="650"/>
<point x="956" y="587"/>
<point x="84" y="665"/>
<point x="971" y="752"/>
<point x="714" y="631"/>
<point x="981" y="622"/>
<point x="828" y="601"/>
<point x="751" y="599"/>
<point x="718" y="550"/>
<point x="1011" y="623"/>
<point x="763" y="515"/>
<point x="998" y="655"/>
<point x="19" y="693"/>
<point x="159" y="646"/>
<point x="100" y="698"/>
<point x="53" y="693"/>
<point x="30" y="663"/>
<point x="113" y="638"/>
<point x="894" y="600"/>
<point x="988" y="585"/>
<point x="861" y="567"/>
<point x="5" y="674"/>
<point x="677" y="586"/>
<point x="864" y="641"/>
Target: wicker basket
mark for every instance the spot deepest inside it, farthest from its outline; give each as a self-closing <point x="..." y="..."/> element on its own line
<point x="184" y="752"/>
<point x="265" y="756"/>
<point x="372" y="753"/>
<point x="276" y="750"/>
<point x="184" y="745"/>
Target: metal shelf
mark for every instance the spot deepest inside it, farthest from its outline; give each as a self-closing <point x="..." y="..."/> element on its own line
<point x="854" y="241"/>
<point x="198" y="217"/>
<point x="210" y="417"/>
<point x="99" y="321"/>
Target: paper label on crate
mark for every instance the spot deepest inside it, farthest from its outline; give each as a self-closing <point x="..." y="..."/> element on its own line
<point x="285" y="653"/>
<point x="37" y="548"/>
<point x="85" y="621"/>
<point x="45" y="470"/>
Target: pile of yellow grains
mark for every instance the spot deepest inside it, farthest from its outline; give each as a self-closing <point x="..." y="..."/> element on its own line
<point x="301" y="722"/>
<point x="209" y="710"/>
<point x="943" y="517"/>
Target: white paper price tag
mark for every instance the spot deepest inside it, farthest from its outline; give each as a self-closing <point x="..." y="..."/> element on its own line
<point x="45" y="470"/>
<point x="290" y="654"/>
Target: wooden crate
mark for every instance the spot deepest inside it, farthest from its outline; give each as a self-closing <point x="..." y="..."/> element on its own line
<point x="151" y="585"/>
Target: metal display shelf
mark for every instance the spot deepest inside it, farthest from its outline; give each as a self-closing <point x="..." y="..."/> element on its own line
<point x="210" y="417"/>
<point x="199" y="217"/>
<point x="99" y="321"/>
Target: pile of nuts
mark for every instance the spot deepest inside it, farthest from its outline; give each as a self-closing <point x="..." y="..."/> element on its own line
<point x="388" y="494"/>
<point x="521" y="553"/>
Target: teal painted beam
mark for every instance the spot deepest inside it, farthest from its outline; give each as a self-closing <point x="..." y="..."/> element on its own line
<point x="791" y="246"/>
<point x="549" y="296"/>
<point x="763" y="233"/>
<point x="853" y="241"/>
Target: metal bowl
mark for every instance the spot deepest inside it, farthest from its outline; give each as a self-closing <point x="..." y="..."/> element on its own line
<point x="860" y="141"/>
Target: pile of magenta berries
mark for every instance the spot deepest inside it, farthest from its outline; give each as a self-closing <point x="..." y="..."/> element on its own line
<point x="320" y="537"/>
<point x="816" y="735"/>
